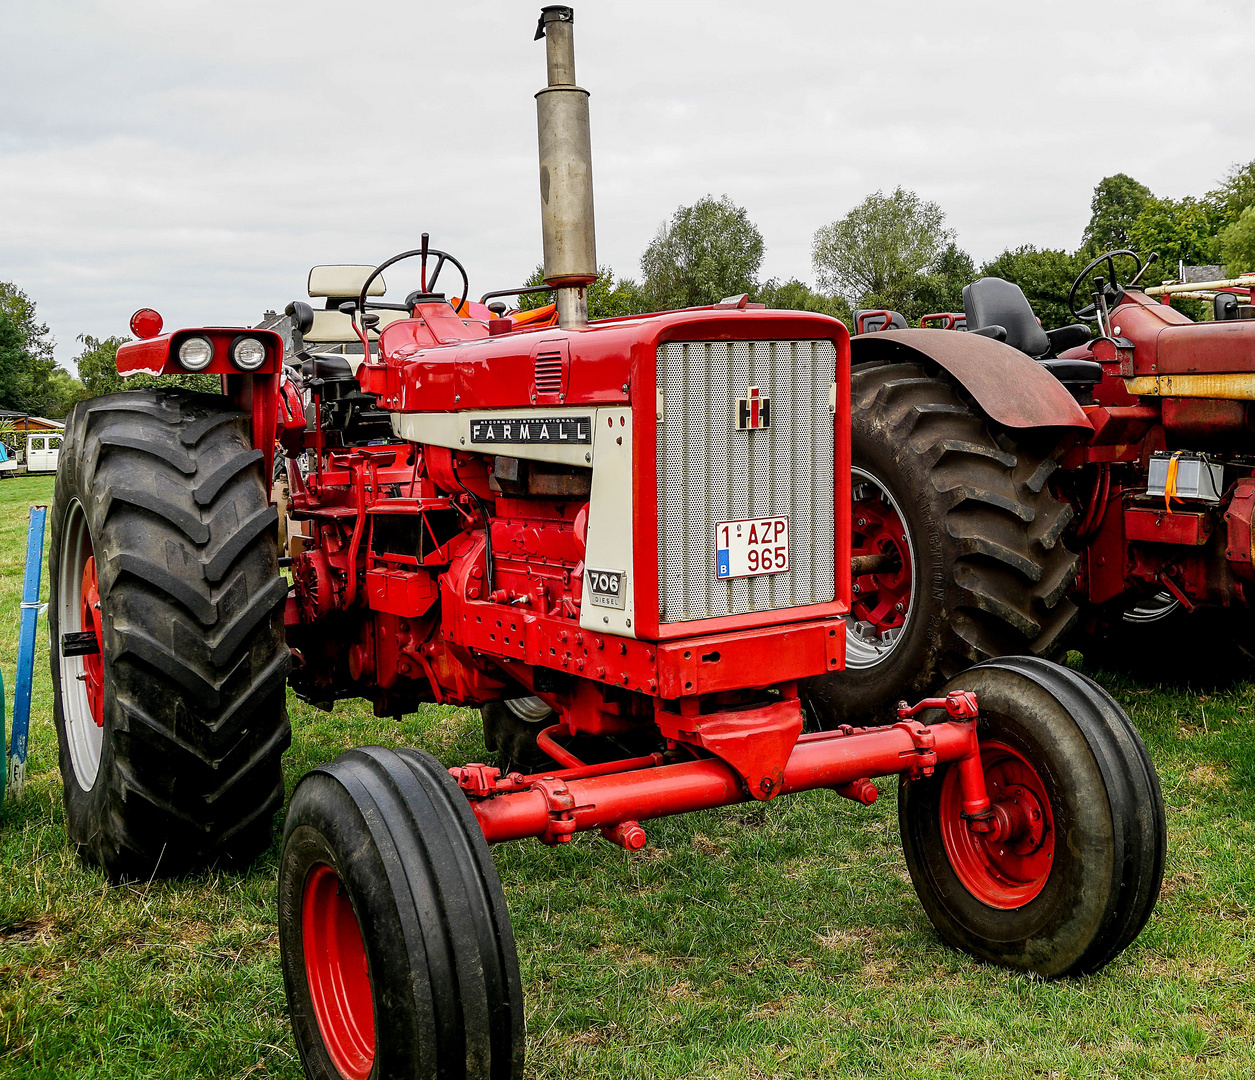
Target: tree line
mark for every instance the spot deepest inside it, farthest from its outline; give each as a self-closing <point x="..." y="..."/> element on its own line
<point x="895" y="251"/>
<point x="890" y="251"/>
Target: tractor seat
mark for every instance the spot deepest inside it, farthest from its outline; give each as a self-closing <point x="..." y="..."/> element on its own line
<point x="330" y="366"/>
<point x="991" y="301"/>
<point x="871" y="320"/>
<point x="994" y="302"/>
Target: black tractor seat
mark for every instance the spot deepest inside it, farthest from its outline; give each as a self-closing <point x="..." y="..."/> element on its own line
<point x="873" y="320"/>
<point x="991" y="301"/>
<point x="996" y="307"/>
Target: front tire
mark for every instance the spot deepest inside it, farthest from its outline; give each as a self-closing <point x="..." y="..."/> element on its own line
<point x="1075" y="884"/>
<point x="968" y="538"/>
<point x="162" y="560"/>
<point x="397" y="951"/>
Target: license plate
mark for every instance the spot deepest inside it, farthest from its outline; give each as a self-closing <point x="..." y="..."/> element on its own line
<point x="751" y="546"/>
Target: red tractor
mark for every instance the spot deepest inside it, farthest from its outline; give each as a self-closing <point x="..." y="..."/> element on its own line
<point x="626" y="541"/>
<point x="1020" y="490"/>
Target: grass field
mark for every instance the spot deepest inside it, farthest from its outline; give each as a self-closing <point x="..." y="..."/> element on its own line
<point x="760" y="941"/>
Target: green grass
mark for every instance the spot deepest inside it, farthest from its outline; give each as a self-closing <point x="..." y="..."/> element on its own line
<point x="759" y="941"/>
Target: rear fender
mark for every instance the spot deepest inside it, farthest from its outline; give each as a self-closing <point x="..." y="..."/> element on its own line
<point x="256" y="392"/>
<point x="1009" y="387"/>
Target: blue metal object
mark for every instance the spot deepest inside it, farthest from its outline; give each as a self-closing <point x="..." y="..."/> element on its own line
<point x="3" y="735"/>
<point x="26" y="649"/>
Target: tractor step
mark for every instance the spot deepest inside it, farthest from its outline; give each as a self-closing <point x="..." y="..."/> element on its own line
<point x="80" y="643"/>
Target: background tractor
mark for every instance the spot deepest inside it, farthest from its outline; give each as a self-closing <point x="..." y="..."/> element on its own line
<point x="627" y="542"/>
<point x="1021" y="490"/>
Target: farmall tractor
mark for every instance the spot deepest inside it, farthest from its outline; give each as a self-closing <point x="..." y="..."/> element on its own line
<point x="626" y="541"/>
<point x="1021" y="490"/>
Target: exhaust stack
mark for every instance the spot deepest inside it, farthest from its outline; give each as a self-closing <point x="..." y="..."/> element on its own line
<point x="566" y="172"/>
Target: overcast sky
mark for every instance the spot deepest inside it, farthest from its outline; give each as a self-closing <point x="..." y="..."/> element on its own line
<point x="199" y="157"/>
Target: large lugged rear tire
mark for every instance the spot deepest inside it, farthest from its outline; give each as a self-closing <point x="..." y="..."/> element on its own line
<point x="163" y="552"/>
<point x="398" y="955"/>
<point x="968" y="537"/>
<point x="1078" y="881"/>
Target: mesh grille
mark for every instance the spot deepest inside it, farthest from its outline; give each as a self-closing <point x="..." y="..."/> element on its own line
<point x="548" y="373"/>
<point x="709" y="471"/>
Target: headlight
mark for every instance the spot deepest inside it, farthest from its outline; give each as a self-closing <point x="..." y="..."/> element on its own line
<point x="248" y="354"/>
<point x="196" y="353"/>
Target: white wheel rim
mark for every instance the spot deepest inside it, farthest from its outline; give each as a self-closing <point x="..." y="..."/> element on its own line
<point x="531" y="709"/>
<point x="82" y="735"/>
<point x="865" y="646"/>
<point x="1159" y="606"/>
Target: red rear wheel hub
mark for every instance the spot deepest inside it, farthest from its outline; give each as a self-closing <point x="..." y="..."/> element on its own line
<point x="883" y="595"/>
<point x="94" y="665"/>
<point x="337" y="972"/>
<point x="1008" y="867"/>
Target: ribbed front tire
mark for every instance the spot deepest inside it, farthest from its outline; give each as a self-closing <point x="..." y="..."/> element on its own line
<point x="172" y="763"/>
<point x="398" y="954"/>
<point x="1070" y="892"/>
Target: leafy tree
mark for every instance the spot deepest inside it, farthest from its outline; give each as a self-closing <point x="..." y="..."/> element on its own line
<point x="795" y="295"/>
<point x="1181" y="230"/>
<point x="14" y="359"/>
<point x="61" y="393"/>
<point x="1236" y="192"/>
<point x="707" y="251"/>
<point x="1237" y="244"/>
<point x="880" y="252"/>
<point x="26" y="360"/>
<point x="607" y="298"/>
<point x="610" y="299"/>
<point x="36" y="335"/>
<point x="97" y="364"/>
<point x="1045" y="278"/>
<point x="1118" y="201"/>
<point x="97" y="367"/>
<point x="942" y="288"/>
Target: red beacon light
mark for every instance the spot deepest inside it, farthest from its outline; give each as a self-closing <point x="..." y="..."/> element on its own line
<point x="146" y="323"/>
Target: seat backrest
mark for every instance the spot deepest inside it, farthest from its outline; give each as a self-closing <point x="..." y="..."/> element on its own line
<point x="342" y="281"/>
<point x="335" y="326"/>
<point x="991" y="301"/>
<point x="871" y="320"/>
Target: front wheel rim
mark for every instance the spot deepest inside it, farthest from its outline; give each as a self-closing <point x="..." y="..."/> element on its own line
<point x="881" y="600"/>
<point x="338" y="975"/>
<point x="1004" y="874"/>
<point x="82" y="677"/>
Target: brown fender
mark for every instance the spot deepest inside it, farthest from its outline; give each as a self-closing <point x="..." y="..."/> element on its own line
<point x="1010" y="387"/>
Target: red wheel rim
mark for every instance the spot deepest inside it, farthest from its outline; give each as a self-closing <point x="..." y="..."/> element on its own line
<point x="93" y="666"/>
<point x="1009" y="867"/>
<point x="336" y="969"/>
<point x="882" y="597"/>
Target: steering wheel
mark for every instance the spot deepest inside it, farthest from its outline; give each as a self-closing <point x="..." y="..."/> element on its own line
<point x="1111" y="288"/>
<point x="426" y="284"/>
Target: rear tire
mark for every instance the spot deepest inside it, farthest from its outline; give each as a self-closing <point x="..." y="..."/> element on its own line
<point x="1211" y="648"/>
<point x="1066" y="901"/>
<point x="511" y="727"/>
<point x="980" y="528"/>
<point x="171" y="736"/>
<point x="397" y="951"/>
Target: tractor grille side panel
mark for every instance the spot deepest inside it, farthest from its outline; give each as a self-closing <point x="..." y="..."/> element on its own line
<point x="709" y="471"/>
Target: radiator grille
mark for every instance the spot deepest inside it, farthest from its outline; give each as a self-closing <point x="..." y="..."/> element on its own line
<point x="710" y="471"/>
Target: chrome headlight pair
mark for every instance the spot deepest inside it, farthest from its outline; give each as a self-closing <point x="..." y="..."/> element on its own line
<point x="247" y="353"/>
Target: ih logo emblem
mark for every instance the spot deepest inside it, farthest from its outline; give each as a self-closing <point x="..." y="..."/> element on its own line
<point x="753" y="411"/>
